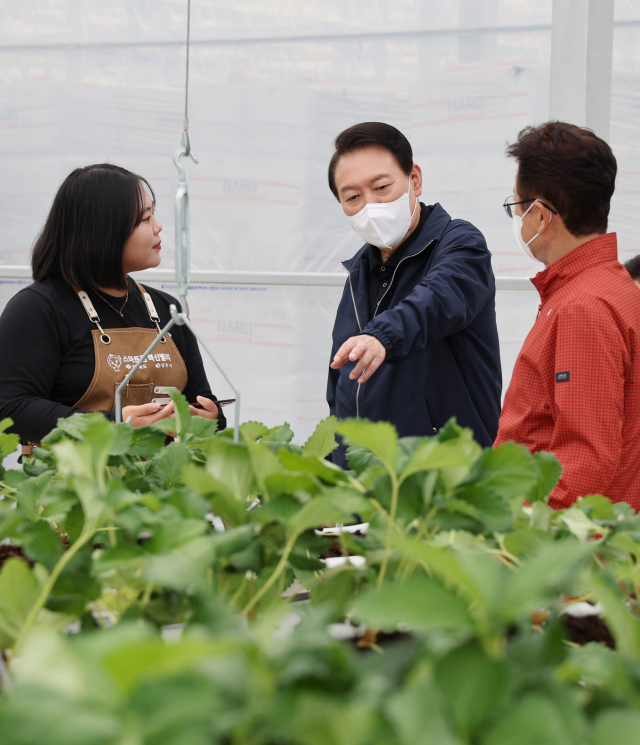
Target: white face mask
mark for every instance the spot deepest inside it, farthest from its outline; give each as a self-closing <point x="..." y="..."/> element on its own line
<point x="517" y="231"/>
<point x="384" y="224"/>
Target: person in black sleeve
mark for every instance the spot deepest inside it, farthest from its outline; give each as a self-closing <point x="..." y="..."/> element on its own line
<point x="68" y="339"/>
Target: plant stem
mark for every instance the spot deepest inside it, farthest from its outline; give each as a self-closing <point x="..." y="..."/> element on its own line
<point x="6" y="684"/>
<point x="49" y="584"/>
<point x="278" y="571"/>
<point x="395" y="488"/>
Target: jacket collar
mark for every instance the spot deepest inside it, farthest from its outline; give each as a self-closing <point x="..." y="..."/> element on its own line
<point x="432" y="230"/>
<point x="601" y="250"/>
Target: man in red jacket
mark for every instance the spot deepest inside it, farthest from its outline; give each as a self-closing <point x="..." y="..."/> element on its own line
<point x="575" y="389"/>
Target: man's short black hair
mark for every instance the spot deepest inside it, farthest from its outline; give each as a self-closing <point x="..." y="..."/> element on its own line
<point x="93" y="214"/>
<point x="371" y="133"/>
<point x="569" y="167"/>
<point x="633" y="267"/>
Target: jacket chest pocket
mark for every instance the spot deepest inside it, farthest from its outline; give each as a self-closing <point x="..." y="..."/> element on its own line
<point x="135" y="394"/>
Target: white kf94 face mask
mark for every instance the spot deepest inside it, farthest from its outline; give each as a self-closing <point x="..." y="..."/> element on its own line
<point x="384" y="224"/>
<point x="517" y="231"/>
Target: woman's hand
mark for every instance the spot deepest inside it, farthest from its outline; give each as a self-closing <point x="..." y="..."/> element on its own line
<point x="147" y="413"/>
<point x="209" y="410"/>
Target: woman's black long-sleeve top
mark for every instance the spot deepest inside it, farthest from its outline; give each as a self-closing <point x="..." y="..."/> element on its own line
<point x="47" y="358"/>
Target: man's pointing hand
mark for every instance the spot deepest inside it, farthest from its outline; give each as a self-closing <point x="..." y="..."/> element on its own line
<point x="365" y="348"/>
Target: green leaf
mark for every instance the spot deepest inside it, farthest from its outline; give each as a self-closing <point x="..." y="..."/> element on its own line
<point x="19" y="590"/>
<point x="550" y="472"/>
<point x="282" y="433"/>
<point x="527" y="541"/>
<point x="319" y="511"/>
<point x="168" y="464"/>
<point x="380" y="438"/>
<point x="533" y="720"/>
<point x="474" y="685"/>
<point x="581" y="526"/>
<point x="87" y="458"/>
<point x="229" y="464"/>
<point x="152" y="658"/>
<point x="224" y="503"/>
<point x="624" y="625"/>
<point x="323" y="440"/>
<point x="556" y="569"/>
<point x="30" y="493"/>
<point x="433" y="454"/>
<point x="445" y="565"/>
<point x="265" y="463"/>
<point x="252" y="431"/>
<point x="182" y="412"/>
<point x="360" y="460"/>
<point x="601" y="507"/>
<point x="231" y="541"/>
<point x="508" y="470"/>
<point x="619" y="726"/>
<point x="8" y="443"/>
<point x="490" y="508"/>
<point x="60" y="720"/>
<point x="290" y="483"/>
<point x="311" y="464"/>
<point x="418" y="716"/>
<point x="419" y="601"/>
<point x="145" y="441"/>
<point x="202" y="428"/>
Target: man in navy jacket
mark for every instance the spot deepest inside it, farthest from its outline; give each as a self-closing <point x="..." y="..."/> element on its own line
<point x="415" y="340"/>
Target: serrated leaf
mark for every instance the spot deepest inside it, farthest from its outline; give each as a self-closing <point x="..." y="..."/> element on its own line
<point x="168" y="464"/>
<point x="8" y="443"/>
<point x="253" y="430"/>
<point x="533" y="720"/>
<point x="310" y="464"/>
<point x="30" y="493"/>
<point x="19" y="590"/>
<point x="361" y="460"/>
<point x="229" y="464"/>
<point x="419" y="601"/>
<point x="202" y="428"/>
<point x="182" y="412"/>
<point x="624" y="625"/>
<point x="146" y="442"/>
<point x="380" y="438"/>
<point x="508" y="470"/>
<point x="433" y="454"/>
<point x="617" y="725"/>
<point x="525" y="542"/>
<point x="283" y="433"/>
<point x="224" y="503"/>
<point x="319" y="511"/>
<point x="474" y="685"/>
<point x="550" y="471"/>
<point x="323" y="440"/>
<point x="581" y="526"/>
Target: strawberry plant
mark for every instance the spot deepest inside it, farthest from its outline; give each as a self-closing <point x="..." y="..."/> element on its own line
<point x="148" y="591"/>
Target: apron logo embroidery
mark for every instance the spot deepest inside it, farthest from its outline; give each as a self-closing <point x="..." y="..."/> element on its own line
<point x="114" y="361"/>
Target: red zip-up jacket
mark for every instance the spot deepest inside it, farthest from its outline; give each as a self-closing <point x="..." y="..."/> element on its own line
<point x="575" y="389"/>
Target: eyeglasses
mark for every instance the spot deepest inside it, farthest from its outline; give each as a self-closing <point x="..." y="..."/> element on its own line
<point x="508" y="205"/>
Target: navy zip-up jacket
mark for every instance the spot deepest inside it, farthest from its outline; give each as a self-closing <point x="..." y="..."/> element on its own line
<point x="440" y="333"/>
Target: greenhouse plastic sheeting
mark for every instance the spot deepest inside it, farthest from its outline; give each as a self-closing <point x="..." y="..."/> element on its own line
<point x="271" y="86"/>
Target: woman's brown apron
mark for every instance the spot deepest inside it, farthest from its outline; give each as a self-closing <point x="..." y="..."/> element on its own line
<point x="116" y="352"/>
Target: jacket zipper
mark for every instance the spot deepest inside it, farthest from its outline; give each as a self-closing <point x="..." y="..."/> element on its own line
<point x="353" y="298"/>
<point x="393" y="276"/>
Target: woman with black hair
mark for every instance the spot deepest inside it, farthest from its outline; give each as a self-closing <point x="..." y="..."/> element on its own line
<point x="68" y="340"/>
